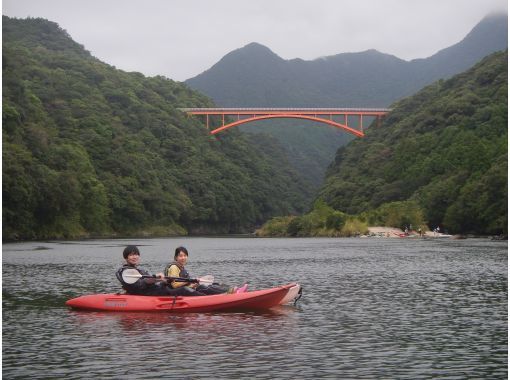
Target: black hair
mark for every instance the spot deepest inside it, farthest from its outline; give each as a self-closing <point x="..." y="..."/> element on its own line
<point x="180" y="249"/>
<point x="130" y="249"/>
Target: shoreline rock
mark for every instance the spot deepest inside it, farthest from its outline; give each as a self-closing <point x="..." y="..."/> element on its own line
<point x="392" y="232"/>
<point x="387" y="232"/>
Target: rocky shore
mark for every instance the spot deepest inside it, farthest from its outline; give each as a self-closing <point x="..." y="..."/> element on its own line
<point x="391" y="232"/>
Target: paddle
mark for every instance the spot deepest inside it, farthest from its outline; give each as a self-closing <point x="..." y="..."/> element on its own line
<point x="130" y="276"/>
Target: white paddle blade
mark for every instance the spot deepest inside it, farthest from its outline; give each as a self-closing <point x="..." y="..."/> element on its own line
<point x="206" y="280"/>
<point x="130" y="276"/>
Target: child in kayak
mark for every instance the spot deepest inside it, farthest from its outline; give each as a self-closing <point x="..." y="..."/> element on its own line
<point x="148" y="285"/>
<point x="177" y="269"/>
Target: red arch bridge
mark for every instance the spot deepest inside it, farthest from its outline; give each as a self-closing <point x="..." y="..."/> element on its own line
<point x="337" y="117"/>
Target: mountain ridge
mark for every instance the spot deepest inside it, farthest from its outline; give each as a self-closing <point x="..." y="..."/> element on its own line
<point x="489" y="35"/>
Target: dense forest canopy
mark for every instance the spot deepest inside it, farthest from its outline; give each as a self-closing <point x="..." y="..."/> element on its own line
<point x="92" y="150"/>
<point x="444" y="148"/>
<point x="89" y="150"/>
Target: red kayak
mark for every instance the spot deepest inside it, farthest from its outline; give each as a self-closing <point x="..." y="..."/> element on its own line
<point x="258" y="299"/>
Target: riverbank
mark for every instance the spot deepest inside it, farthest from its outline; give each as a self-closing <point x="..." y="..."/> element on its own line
<point x="375" y="231"/>
<point x="391" y="232"/>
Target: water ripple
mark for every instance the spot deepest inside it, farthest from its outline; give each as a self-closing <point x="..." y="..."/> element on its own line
<point x="372" y="308"/>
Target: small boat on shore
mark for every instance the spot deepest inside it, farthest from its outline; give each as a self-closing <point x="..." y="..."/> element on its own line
<point x="258" y="299"/>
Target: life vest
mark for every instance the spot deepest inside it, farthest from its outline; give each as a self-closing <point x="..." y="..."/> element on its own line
<point x="139" y="286"/>
<point x="183" y="273"/>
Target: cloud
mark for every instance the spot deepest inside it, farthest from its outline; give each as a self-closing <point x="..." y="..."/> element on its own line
<point x="182" y="38"/>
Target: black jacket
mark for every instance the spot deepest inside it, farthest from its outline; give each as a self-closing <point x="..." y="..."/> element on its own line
<point x="143" y="286"/>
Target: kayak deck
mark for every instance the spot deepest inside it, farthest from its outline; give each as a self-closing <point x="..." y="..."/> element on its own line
<point x="258" y="299"/>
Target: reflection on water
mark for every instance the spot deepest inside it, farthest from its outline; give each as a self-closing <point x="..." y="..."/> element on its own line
<point x="371" y="308"/>
<point x="228" y="323"/>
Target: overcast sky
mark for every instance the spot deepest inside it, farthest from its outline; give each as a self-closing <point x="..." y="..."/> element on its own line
<point x="182" y="38"/>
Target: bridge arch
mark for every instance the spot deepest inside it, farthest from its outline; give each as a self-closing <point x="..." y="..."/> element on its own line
<point x="321" y="115"/>
<point x="306" y="117"/>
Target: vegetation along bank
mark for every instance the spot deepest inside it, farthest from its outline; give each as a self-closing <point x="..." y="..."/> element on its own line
<point x="438" y="160"/>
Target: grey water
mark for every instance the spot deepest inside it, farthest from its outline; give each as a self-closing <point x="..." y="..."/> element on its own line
<point x="371" y="308"/>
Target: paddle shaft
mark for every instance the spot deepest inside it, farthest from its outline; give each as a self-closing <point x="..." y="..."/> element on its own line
<point x="130" y="276"/>
<point x="178" y="279"/>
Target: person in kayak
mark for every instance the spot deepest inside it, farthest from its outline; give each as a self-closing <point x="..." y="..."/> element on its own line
<point x="177" y="269"/>
<point x="148" y="286"/>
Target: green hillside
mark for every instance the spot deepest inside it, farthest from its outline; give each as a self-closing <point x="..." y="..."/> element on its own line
<point x="444" y="148"/>
<point x="438" y="159"/>
<point x="92" y="150"/>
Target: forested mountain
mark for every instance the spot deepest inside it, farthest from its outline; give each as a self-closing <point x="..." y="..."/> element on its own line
<point x="255" y="76"/>
<point x="444" y="149"/>
<point x="92" y="150"/>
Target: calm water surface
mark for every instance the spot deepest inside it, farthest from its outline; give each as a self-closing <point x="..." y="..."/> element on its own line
<point x="372" y="308"/>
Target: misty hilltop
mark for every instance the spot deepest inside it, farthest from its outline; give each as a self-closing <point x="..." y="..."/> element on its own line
<point x="255" y="76"/>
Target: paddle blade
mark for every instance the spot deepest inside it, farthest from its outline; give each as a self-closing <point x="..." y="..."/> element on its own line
<point x="130" y="276"/>
<point x="206" y="280"/>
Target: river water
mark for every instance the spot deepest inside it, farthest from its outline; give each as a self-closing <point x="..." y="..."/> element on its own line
<point x="371" y="308"/>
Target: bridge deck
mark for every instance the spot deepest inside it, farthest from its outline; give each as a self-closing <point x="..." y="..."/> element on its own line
<point x="275" y="111"/>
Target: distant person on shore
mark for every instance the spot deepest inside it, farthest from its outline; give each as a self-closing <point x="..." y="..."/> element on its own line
<point x="177" y="269"/>
<point x="147" y="285"/>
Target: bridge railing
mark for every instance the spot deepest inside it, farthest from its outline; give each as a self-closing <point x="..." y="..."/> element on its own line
<point x="302" y="111"/>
